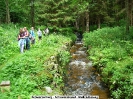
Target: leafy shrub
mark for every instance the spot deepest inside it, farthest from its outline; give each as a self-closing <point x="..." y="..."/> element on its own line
<point x="27" y="72"/>
<point x="111" y="52"/>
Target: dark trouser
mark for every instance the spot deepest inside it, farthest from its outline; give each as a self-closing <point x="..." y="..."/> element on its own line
<point x="39" y="37"/>
<point x="32" y="41"/>
<point x="27" y="43"/>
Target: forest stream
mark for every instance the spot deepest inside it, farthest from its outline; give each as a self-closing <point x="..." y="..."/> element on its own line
<point x="82" y="78"/>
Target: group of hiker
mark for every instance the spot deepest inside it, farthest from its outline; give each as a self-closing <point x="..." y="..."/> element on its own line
<point x="25" y="37"/>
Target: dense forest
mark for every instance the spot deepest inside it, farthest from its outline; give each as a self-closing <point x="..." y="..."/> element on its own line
<point x="83" y="14"/>
<point x="107" y="29"/>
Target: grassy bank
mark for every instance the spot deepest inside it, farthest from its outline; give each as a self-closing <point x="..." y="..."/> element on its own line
<point x="111" y="51"/>
<point x="42" y="65"/>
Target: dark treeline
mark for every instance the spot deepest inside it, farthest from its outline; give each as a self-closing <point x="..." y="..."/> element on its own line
<point x="82" y="14"/>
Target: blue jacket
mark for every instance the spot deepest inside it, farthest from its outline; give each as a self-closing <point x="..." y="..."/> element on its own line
<point x="32" y="33"/>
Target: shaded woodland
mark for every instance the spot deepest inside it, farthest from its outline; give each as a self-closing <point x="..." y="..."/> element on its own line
<point x="86" y="15"/>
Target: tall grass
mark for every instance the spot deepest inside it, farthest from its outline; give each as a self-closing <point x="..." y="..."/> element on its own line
<point x="8" y="39"/>
<point x="30" y="72"/>
<point x="111" y="51"/>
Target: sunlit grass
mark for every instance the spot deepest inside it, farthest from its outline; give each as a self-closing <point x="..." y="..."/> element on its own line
<point x="29" y="72"/>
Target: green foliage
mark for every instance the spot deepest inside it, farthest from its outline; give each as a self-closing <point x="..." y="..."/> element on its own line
<point x="59" y="13"/>
<point x="28" y="72"/>
<point x="111" y="53"/>
<point x="64" y="57"/>
<point x="63" y="13"/>
<point x="8" y="40"/>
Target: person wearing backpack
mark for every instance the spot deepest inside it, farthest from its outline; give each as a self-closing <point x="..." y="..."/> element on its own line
<point x="21" y="38"/>
<point x="46" y="31"/>
<point x="39" y="32"/>
<point x="32" y="35"/>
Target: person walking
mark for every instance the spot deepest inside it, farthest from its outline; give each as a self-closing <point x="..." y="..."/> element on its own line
<point x="21" y="38"/>
<point x="32" y="35"/>
<point x="27" y="38"/>
<point x="46" y="31"/>
<point x="39" y="32"/>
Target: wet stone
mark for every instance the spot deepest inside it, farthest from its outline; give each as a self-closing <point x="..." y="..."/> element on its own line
<point x="48" y="89"/>
<point x="75" y="56"/>
<point x="82" y="49"/>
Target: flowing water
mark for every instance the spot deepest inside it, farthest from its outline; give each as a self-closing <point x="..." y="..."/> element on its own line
<point x="82" y="78"/>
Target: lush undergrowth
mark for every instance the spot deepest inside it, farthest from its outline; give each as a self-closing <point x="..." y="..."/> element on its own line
<point x="111" y="51"/>
<point x="8" y="39"/>
<point x="42" y="65"/>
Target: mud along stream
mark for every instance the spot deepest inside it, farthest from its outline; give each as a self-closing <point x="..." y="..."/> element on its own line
<point x="81" y="77"/>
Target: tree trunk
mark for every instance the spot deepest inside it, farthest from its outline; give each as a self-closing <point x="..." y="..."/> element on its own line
<point x="99" y="22"/>
<point x="82" y="21"/>
<point x="87" y="21"/>
<point x="77" y="23"/>
<point x="127" y="16"/>
<point x="131" y="16"/>
<point x="32" y="13"/>
<point x="8" y="20"/>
